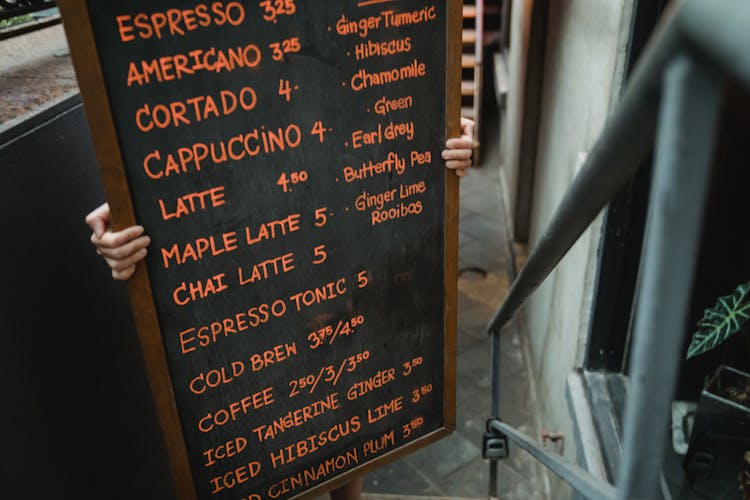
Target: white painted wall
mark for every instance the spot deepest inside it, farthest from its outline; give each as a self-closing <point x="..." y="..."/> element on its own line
<point x="510" y="136"/>
<point x="586" y="43"/>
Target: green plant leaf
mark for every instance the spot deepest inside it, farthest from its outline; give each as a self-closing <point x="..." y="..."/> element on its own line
<point x="721" y="321"/>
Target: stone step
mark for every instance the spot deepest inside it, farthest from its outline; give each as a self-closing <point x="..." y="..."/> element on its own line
<point x="378" y="496"/>
<point x="468" y="36"/>
<point x="383" y="496"/>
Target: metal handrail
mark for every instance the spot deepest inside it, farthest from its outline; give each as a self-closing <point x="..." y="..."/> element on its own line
<point x="628" y="136"/>
<point x="671" y="105"/>
<point x="10" y="11"/>
<point x="20" y="8"/>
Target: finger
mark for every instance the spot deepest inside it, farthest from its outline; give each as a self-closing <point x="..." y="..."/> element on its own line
<point x="123" y="275"/>
<point x="461" y="172"/>
<point x="116" y="239"/>
<point x="129" y="261"/>
<point x="126" y="250"/>
<point x="468" y="131"/>
<point x="463" y="142"/>
<point x="467" y="127"/>
<point x="456" y="154"/>
<point x="99" y="218"/>
<point x="458" y="164"/>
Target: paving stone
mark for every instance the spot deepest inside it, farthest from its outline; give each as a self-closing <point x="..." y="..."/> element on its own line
<point x="398" y="478"/>
<point x="488" y="291"/>
<point x="478" y="254"/>
<point x="471" y="480"/>
<point x="468" y="340"/>
<point x="480" y="204"/>
<point x="30" y="82"/>
<point x="465" y="238"/>
<point x="445" y="456"/>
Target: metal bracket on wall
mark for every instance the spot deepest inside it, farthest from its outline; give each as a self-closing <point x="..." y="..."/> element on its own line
<point x="494" y="442"/>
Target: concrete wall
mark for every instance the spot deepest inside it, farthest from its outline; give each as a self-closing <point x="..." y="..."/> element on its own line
<point x="511" y="131"/>
<point x="586" y="42"/>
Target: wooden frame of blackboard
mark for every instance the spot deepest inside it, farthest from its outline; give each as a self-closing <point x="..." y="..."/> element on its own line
<point x="90" y="78"/>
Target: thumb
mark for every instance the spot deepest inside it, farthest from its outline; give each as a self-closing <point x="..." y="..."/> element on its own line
<point x="469" y="130"/>
<point x="99" y="219"/>
<point x="467" y="127"/>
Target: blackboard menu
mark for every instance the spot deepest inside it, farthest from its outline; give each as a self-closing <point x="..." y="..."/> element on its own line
<point x="284" y="158"/>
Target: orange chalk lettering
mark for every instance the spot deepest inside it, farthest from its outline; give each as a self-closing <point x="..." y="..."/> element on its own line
<point x="329" y="291"/>
<point x="315" y="442"/>
<point x="383" y="106"/>
<point x="226" y="450"/>
<point x="313" y="474"/>
<point x="409" y="190"/>
<point x="380" y="379"/>
<point x="264" y="269"/>
<point x="273" y="229"/>
<point x="275" y="355"/>
<point x="178" y="22"/>
<point x="235" y="477"/>
<point x="380" y="444"/>
<point x="298" y="417"/>
<point x="200" y="248"/>
<point x="187" y="292"/>
<point x="193" y="202"/>
<point x="236" y="409"/>
<point x="381" y="411"/>
<point x="216" y="377"/>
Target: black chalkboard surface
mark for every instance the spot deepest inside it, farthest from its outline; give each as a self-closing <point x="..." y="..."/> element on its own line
<point x="284" y="157"/>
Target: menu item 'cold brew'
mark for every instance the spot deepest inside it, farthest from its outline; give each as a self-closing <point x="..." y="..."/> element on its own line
<point x="284" y="157"/>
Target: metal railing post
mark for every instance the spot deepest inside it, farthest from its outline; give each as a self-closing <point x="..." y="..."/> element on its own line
<point x="494" y="403"/>
<point x="688" y="116"/>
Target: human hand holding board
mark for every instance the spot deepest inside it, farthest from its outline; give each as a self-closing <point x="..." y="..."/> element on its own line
<point x="284" y="159"/>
